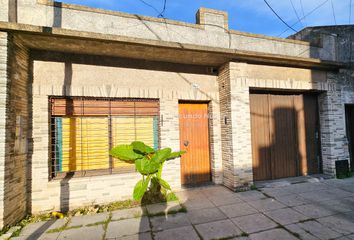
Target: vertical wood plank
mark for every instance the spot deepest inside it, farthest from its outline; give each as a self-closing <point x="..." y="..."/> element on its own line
<point x="194" y="130"/>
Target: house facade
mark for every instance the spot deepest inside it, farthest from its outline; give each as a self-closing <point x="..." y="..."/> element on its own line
<point x="76" y="81"/>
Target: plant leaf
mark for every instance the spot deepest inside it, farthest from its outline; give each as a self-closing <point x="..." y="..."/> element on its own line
<point x="125" y="152"/>
<point x="147" y="166"/>
<point x="140" y="188"/>
<point x="139" y="166"/>
<point x="164" y="184"/>
<point x="142" y="147"/>
<point x="162" y="155"/>
<point x="174" y="155"/>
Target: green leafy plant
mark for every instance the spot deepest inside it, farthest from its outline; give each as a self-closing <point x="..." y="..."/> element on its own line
<point x="149" y="163"/>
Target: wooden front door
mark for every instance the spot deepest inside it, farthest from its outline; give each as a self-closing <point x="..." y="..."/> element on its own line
<point x="194" y="139"/>
<point x="349" y="115"/>
<point x="284" y="135"/>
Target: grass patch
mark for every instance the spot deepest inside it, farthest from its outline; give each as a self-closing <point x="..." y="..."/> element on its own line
<point x="24" y="222"/>
<point x="96" y="224"/>
<point x="118" y="205"/>
<point x="171" y="197"/>
<point x="253" y="187"/>
<point x="92" y="209"/>
<point x="63" y="228"/>
<point x="183" y="209"/>
<point x="105" y="226"/>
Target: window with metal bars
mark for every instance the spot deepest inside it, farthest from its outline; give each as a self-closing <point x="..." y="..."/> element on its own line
<point x="83" y="130"/>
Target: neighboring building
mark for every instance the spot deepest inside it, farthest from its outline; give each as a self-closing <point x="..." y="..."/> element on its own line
<point x="75" y="81"/>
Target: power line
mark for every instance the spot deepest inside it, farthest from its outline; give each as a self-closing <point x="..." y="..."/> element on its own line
<point x="163" y="10"/>
<point x="297" y="15"/>
<point x="334" y="14"/>
<point x="151" y="6"/>
<point x="303" y="12"/>
<point x="308" y="14"/>
<point x="279" y="16"/>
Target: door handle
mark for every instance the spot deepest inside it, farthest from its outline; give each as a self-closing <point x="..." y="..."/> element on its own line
<point x="186" y="143"/>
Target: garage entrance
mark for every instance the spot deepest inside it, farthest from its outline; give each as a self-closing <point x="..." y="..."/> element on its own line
<point x="285" y="136"/>
<point x="349" y="117"/>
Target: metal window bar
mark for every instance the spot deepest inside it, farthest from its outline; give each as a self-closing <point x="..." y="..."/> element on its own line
<point x="80" y="143"/>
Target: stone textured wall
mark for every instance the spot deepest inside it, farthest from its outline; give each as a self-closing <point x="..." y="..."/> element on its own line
<point x="14" y="129"/>
<point x="235" y="82"/>
<point x="4" y="10"/>
<point x="332" y="119"/>
<point x="3" y="101"/>
<point x="113" y="81"/>
<point x="226" y="126"/>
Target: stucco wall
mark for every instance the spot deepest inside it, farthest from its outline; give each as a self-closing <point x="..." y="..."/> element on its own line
<point x="45" y="13"/>
<point x="103" y="81"/>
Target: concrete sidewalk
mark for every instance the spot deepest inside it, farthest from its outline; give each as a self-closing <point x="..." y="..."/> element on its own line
<point x="318" y="210"/>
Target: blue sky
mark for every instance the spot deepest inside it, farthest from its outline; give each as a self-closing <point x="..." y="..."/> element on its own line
<point x="244" y="15"/>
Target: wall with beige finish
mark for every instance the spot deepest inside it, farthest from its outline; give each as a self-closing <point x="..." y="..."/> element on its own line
<point x="240" y="78"/>
<point x="211" y="31"/>
<point x="103" y="81"/>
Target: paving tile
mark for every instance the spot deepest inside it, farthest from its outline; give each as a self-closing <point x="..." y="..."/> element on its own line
<point x="273" y="234"/>
<point x="266" y="204"/>
<point x="170" y="221"/>
<point x="182" y="233"/>
<point x="314" y="211"/>
<point x="44" y="236"/>
<point x="350" y="237"/>
<point x="254" y="223"/>
<point x="218" y="229"/>
<point x="127" y="227"/>
<point x="215" y="191"/>
<point x="205" y="215"/>
<point x="250" y="195"/>
<point x="344" y="238"/>
<point x="198" y="203"/>
<point x="276" y="192"/>
<point x="87" y="233"/>
<point x="286" y="216"/>
<point x="190" y="194"/>
<point x="318" y="230"/>
<point x="292" y="200"/>
<point x="326" y="194"/>
<point x="342" y="223"/>
<point x="237" y="210"/>
<point x="307" y="187"/>
<point x="35" y="230"/>
<point x="349" y="201"/>
<point x="163" y="207"/>
<point x="50" y="236"/>
<point x="298" y="231"/>
<point x="340" y="206"/>
<point x="88" y="219"/>
<point x="128" y="213"/>
<point x="222" y="199"/>
<point x="140" y="236"/>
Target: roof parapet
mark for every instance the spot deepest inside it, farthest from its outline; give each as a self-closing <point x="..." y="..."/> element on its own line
<point x="211" y="19"/>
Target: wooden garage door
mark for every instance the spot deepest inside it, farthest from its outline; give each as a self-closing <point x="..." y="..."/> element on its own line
<point x="284" y="135"/>
<point x="194" y="139"/>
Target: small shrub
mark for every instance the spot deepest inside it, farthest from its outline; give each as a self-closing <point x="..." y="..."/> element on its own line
<point x="149" y="163"/>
